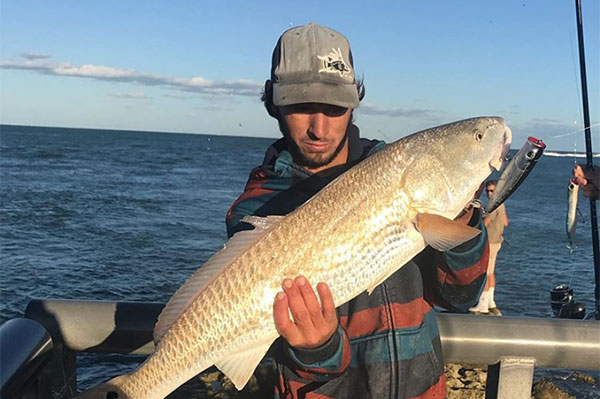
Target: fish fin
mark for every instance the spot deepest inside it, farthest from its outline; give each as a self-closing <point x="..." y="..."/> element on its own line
<point x="442" y="233"/>
<point x="237" y="245"/>
<point x="240" y="367"/>
<point x="262" y="223"/>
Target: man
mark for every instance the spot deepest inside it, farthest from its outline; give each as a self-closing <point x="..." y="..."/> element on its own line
<point x="495" y="222"/>
<point x="383" y="345"/>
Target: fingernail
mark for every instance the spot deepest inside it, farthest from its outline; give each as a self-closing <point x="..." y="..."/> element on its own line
<point x="280" y="296"/>
<point x="301" y="281"/>
<point x="287" y="283"/>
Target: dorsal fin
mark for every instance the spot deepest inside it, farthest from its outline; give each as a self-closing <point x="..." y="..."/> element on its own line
<point x="237" y="245"/>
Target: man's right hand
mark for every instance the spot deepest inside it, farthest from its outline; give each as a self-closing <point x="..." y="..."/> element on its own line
<point x="312" y="324"/>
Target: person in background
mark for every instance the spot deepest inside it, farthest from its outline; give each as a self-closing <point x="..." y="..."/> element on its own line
<point x="377" y="346"/>
<point x="495" y="222"/>
<point x="588" y="180"/>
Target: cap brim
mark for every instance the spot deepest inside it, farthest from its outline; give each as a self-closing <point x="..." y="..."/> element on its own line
<point x="326" y="93"/>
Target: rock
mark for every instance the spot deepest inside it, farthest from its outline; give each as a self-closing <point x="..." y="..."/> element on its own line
<point x="544" y="389"/>
<point x="465" y="381"/>
<point x="581" y="377"/>
<point x="215" y="385"/>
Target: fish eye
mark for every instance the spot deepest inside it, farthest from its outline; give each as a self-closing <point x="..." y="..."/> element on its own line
<point x="478" y="134"/>
<point x="112" y="395"/>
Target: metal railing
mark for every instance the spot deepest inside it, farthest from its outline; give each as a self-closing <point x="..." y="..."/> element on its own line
<point x="25" y="348"/>
<point x="511" y="346"/>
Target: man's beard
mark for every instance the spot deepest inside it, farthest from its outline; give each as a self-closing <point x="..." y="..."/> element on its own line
<point x="302" y="160"/>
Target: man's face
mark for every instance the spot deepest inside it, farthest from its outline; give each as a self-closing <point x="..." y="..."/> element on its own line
<point x="317" y="134"/>
<point x="489" y="190"/>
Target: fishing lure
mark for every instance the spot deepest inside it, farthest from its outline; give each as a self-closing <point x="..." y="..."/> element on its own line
<point x="573" y="191"/>
<point x="516" y="172"/>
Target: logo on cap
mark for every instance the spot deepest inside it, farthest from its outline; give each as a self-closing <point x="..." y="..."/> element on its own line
<point x="334" y="63"/>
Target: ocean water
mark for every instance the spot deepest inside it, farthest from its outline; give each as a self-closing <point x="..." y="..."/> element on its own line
<point x="128" y="216"/>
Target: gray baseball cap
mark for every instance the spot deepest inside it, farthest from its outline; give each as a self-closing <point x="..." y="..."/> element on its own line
<point x="313" y="64"/>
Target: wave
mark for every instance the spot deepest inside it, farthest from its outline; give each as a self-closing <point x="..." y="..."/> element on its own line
<point x="570" y="154"/>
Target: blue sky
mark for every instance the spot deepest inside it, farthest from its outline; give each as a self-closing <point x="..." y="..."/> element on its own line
<point x="198" y="66"/>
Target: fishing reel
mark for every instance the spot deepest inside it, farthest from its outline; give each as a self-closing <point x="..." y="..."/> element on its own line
<point x="563" y="303"/>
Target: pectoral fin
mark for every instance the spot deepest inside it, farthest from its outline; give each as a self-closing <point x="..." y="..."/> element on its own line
<point x="239" y="367"/>
<point x="442" y="233"/>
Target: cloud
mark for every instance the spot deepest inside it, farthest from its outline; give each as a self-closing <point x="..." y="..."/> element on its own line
<point x="549" y="128"/>
<point x="132" y="96"/>
<point x="556" y="135"/>
<point x="35" y="56"/>
<point x="511" y="110"/>
<point x="176" y="96"/>
<point x="238" y="87"/>
<point x="548" y="122"/>
<point x="213" y="107"/>
<point x="372" y="109"/>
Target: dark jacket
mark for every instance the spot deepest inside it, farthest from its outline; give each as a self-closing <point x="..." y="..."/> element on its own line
<point x="387" y="344"/>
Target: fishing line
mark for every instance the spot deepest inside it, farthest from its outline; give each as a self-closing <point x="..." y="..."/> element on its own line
<point x="577" y="92"/>
<point x="63" y="391"/>
<point x="579" y="101"/>
<point x="571" y="243"/>
<point x="573" y="132"/>
<point x="388" y="140"/>
<point x="575" y="75"/>
<point x="573" y="263"/>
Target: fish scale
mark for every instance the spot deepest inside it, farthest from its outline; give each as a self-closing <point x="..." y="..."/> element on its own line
<point x="352" y="234"/>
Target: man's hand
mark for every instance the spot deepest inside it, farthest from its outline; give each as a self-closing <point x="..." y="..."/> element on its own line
<point x="312" y="324"/>
<point x="466" y="215"/>
<point x="588" y="180"/>
<point x="469" y="210"/>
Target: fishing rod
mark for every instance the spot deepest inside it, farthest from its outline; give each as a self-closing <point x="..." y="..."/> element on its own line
<point x="589" y="158"/>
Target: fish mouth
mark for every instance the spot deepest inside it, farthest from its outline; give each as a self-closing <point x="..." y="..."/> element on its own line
<point x="501" y="161"/>
<point x="506" y="145"/>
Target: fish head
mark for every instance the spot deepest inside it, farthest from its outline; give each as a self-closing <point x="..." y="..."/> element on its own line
<point x="451" y="162"/>
<point x="481" y="141"/>
<point x="572" y="187"/>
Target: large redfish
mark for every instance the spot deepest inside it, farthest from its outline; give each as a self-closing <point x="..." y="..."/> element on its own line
<point x="353" y="234"/>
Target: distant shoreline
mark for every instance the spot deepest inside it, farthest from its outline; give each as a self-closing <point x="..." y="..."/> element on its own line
<point x="91" y="129"/>
<point x="570" y="154"/>
<point x="32" y="127"/>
